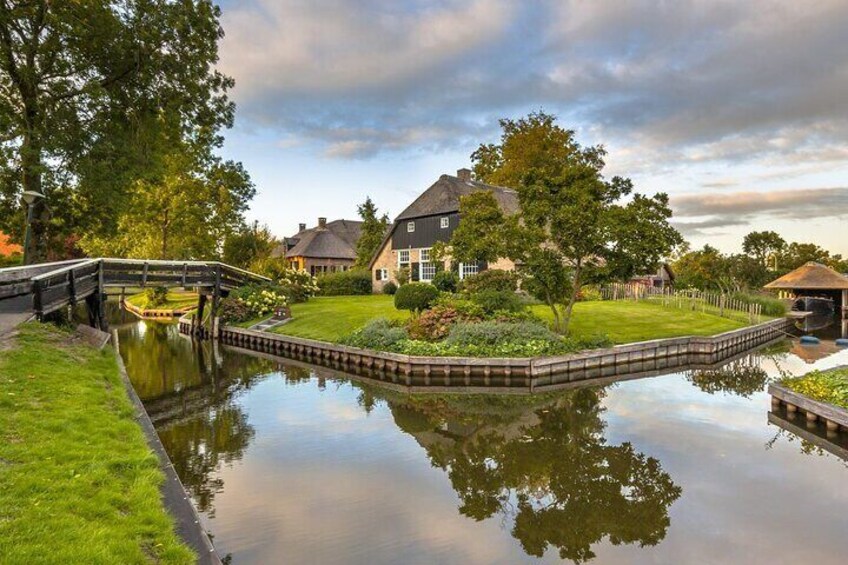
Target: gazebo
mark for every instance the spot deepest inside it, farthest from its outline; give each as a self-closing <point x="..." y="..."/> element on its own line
<point x="813" y="279"/>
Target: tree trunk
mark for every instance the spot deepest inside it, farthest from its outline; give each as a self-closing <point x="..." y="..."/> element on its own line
<point x="31" y="172"/>
<point x="575" y="291"/>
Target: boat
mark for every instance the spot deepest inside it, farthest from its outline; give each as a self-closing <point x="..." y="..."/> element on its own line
<point x="815" y="304"/>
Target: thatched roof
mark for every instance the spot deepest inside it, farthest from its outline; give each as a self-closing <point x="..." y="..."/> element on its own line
<point x="443" y="197"/>
<point x="811" y="275"/>
<point x="336" y="240"/>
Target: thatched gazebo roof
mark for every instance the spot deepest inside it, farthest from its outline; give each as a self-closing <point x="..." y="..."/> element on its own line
<point x="811" y="275"/>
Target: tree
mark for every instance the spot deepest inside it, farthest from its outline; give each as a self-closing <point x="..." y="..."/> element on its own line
<point x="248" y="244"/>
<point x="188" y="214"/>
<point x="373" y="231"/>
<point x="763" y="245"/>
<point x="95" y="96"/>
<point x="573" y="226"/>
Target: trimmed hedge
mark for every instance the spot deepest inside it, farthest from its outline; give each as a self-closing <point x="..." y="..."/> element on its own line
<point x="446" y="281"/>
<point x="491" y="279"/>
<point x="415" y="296"/>
<point x="345" y="283"/>
<point x="390" y="288"/>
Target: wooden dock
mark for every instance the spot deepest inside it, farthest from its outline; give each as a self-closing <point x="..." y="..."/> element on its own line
<point x="834" y="418"/>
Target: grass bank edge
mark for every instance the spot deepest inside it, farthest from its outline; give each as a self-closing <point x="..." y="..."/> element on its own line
<point x="77" y="478"/>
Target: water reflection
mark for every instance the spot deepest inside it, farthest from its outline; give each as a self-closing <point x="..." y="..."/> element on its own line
<point x="547" y="469"/>
<point x="287" y="459"/>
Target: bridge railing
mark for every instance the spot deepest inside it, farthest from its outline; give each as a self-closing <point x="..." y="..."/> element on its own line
<point x="56" y="289"/>
<point x="17" y="281"/>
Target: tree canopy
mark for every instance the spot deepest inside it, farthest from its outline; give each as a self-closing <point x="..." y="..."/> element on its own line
<point x="98" y="98"/>
<point x="573" y="226"/>
<point x="374" y="228"/>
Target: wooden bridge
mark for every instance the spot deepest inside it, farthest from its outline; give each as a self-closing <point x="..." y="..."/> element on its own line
<point x="39" y="290"/>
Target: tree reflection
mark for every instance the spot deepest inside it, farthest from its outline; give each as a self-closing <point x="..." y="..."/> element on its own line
<point x="547" y="468"/>
<point x="742" y="377"/>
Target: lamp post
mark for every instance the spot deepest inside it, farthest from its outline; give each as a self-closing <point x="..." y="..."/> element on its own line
<point x="30" y="197"/>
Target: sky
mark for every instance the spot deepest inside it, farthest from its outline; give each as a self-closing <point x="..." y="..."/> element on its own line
<point x="737" y="110"/>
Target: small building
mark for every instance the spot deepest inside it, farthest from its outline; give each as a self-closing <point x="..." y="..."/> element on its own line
<point x="663" y="278"/>
<point x="431" y="218"/>
<point x="327" y="248"/>
<point x="815" y="280"/>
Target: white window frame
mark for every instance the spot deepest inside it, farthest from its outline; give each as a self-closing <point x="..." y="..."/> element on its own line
<point x="410" y="227"/>
<point x="384" y="274"/>
<point x="468" y="269"/>
<point x="445" y="223"/>
<point x="426" y="268"/>
<point x="401" y="262"/>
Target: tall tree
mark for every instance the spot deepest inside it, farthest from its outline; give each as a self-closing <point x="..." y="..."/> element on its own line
<point x="94" y="95"/>
<point x="573" y="226"/>
<point x="374" y="228"/>
<point x="763" y="245"/>
<point x="248" y="244"/>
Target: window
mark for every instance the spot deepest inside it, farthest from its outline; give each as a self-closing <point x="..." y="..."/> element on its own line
<point x="410" y="227"/>
<point x="403" y="258"/>
<point x="468" y="269"/>
<point x="384" y="274"/>
<point x="445" y="223"/>
<point x="427" y="269"/>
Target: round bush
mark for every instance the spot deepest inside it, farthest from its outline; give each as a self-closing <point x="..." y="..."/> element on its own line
<point x="492" y="279"/>
<point x="416" y="296"/>
<point x="446" y="281"/>
<point x="492" y="301"/>
<point x="390" y="288"/>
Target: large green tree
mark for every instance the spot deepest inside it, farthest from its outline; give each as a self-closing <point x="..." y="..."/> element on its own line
<point x="94" y="96"/>
<point x="573" y="226"/>
<point x="374" y="228"/>
<point x="763" y="245"/>
<point x="249" y="244"/>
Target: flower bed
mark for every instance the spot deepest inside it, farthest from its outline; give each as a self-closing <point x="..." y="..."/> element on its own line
<point x="825" y="386"/>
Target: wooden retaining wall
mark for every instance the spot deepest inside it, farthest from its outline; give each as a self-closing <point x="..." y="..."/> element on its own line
<point x="527" y="374"/>
<point x="153" y="313"/>
<point x="834" y="418"/>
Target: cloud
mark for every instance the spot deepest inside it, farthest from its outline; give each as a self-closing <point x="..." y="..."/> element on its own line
<point x="720" y="210"/>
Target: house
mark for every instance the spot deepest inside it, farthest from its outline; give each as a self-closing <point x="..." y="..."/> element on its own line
<point x="663" y="278"/>
<point x="815" y="280"/>
<point x="433" y="217"/>
<point x="326" y="248"/>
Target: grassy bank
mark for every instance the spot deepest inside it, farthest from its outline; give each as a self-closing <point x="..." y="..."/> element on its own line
<point x="174" y="300"/>
<point x="826" y="386"/>
<point x="78" y="483"/>
<point x="333" y="317"/>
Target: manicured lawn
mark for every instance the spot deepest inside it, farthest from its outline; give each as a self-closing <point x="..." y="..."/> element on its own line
<point x="331" y="318"/>
<point x="174" y="300"/>
<point x="826" y="386"/>
<point x="627" y="322"/>
<point x="78" y="483"/>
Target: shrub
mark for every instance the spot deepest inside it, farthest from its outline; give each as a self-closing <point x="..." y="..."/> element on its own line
<point x="298" y="286"/>
<point x="771" y="306"/>
<point x="402" y="276"/>
<point x="492" y="279"/>
<point x="345" y="283"/>
<point x="378" y="334"/>
<point x="495" y="333"/>
<point x="415" y="296"/>
<point x="390" y="288"/>
<point x="435" y="323"/>
<point x="466" y="307"/>
<point x="233" y="310"/>
<point x="492" y="301"/>
<point x="589" y="294"/>
<point x="446" y="281"/>
<point x="156" y="296"/>
<point x="261" y="300"/>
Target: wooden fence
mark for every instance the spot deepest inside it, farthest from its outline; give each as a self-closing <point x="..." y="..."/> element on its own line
<point x="719" y="304"/>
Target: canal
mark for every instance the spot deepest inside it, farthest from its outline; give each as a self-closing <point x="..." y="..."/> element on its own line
<point x="295" y="464"/>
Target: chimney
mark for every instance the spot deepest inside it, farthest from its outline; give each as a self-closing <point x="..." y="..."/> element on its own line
<point x="464" y="174"/>
<point x="322" y="223"/>
<point x="301" y="227"/>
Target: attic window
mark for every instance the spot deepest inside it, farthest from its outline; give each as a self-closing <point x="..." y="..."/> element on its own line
<point x="445" y="222"/>
<point x="410" y="227"/>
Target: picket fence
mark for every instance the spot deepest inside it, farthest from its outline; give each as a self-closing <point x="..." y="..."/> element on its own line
<point x="720" y="304"/>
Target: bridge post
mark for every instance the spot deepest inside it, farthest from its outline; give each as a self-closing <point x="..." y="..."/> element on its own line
<point x="101" y="299"/>
<point x="216" y="298"/>
<point x="197" y="321"/>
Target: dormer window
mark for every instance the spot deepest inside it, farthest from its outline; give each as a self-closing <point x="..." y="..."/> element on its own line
<point x="445" y="223"/>
<point x="410" y="227"/>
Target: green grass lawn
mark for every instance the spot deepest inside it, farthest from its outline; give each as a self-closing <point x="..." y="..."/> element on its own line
<point x="333" y="317"/>
<point x="174" y="300"/>
<point x="78" y="483"/>
<point x="329" y="318"/>
<point x="627" y="322"/>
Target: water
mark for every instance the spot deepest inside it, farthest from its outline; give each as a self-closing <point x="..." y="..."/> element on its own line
<point x="294" y="464"/>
